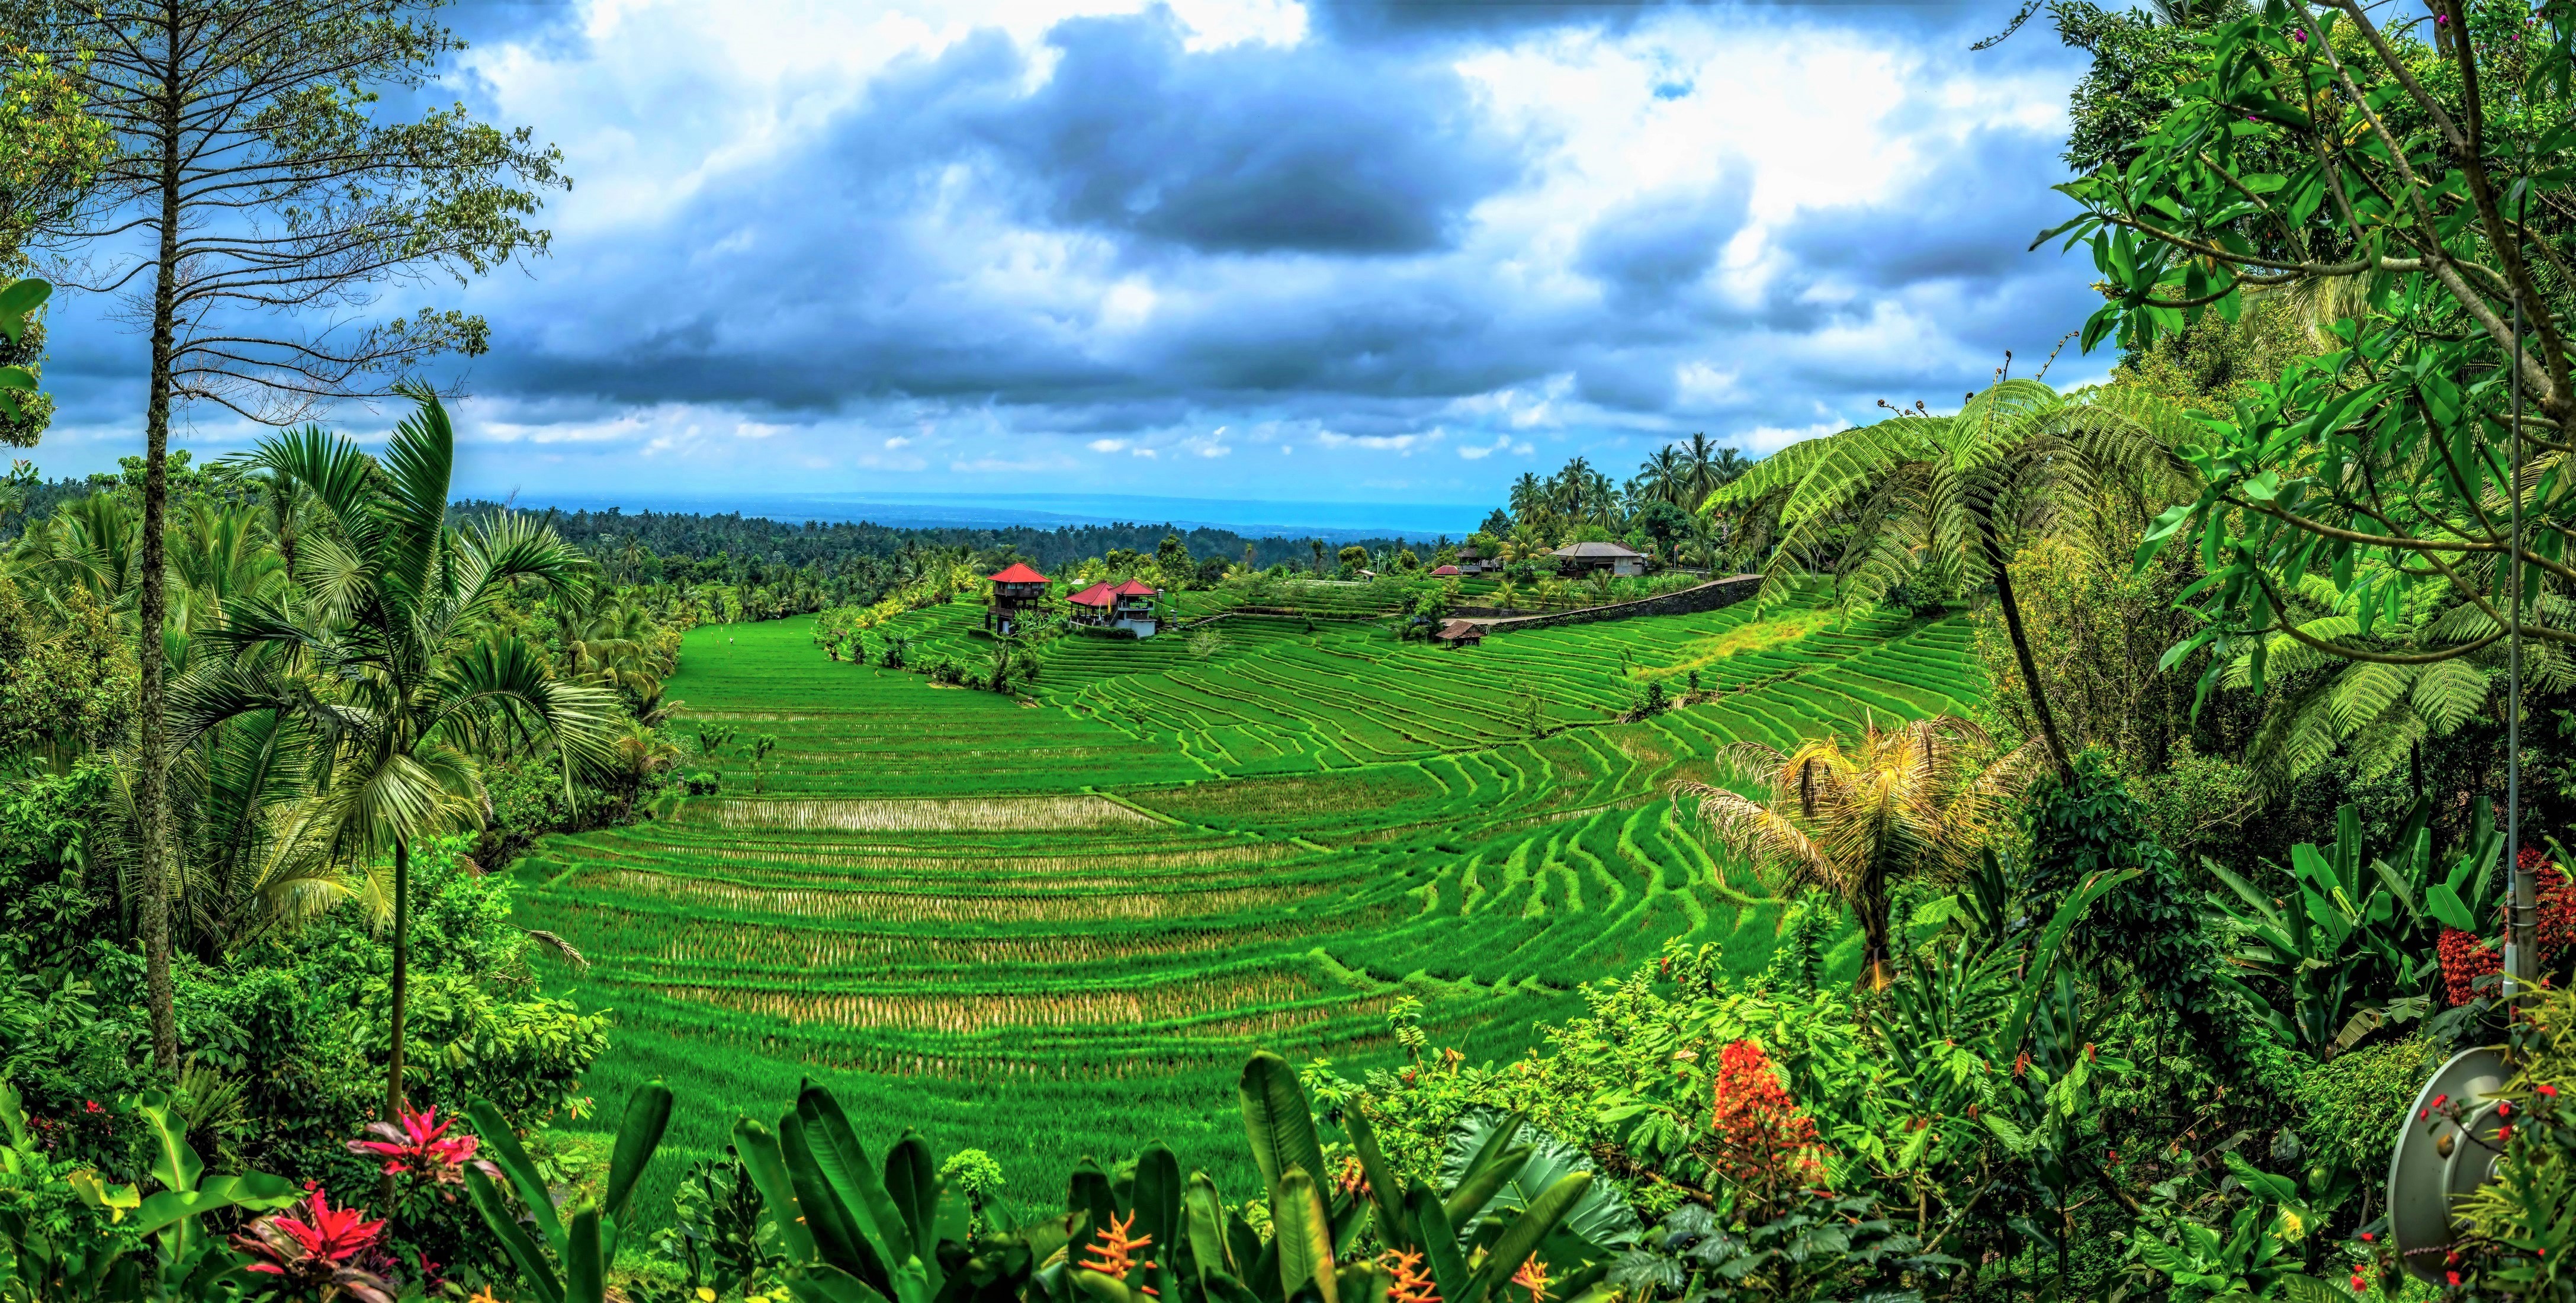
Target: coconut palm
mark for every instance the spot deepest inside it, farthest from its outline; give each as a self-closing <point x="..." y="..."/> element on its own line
<point x="1953" y="497"/>
<point x="1664" y="475"/>
<point x="1915" y="799"/>
<point x="389" y="658"/>
<point x="1529" y="492"/>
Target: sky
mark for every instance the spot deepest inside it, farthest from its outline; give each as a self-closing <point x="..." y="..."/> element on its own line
<point x="1351" y="252"/>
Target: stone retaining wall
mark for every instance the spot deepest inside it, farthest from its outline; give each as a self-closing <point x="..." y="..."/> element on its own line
<point x="1710" y="596"/>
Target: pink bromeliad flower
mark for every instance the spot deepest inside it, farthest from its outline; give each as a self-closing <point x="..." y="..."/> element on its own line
<point x="315" y="1255"/>
<point x="420" y="1143"/>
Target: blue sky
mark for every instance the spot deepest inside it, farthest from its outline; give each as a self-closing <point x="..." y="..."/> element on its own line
<point x="1391" y="253"/>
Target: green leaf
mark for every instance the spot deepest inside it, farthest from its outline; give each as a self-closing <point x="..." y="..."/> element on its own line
<point x="824" y="1283"/>
<point x="585" y="1276"/>
<point x="1439" y="1242"/>
<point x="761" y="1156"/>
<point x="2445" y="905"/>
<point x="1384" y="1195"/>
<point x="1276" y="1120"/>
<point x="1302" y="1231"/>
<point x="2017" y="1024"/>
<point x="174" y="1164"/>
<point x="648" y="1115"/>
<point x="1206" y="1217"/>
<point x="500" y="1144"/>
<point x="1522" y="1238"/>
<point x="253" y="1190"/>
<point x="505" y="1227"/>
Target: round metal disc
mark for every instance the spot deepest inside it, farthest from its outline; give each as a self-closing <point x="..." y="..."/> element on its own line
<point x="2421" y="1177"/>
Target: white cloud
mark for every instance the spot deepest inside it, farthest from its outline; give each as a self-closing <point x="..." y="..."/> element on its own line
<point x="1106" y="445"/>
<point x="1398" y="443"/>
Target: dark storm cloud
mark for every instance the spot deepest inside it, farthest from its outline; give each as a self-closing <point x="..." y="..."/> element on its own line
<point x="1659" y="246"/>
<point x="1249" y="148"/>
<point x="1303" y="215"/>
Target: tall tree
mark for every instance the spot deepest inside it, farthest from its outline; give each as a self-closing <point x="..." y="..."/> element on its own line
<point x="1955" y="495"/>
<point x="390" y="663"/>
<point x="276" y="201"/>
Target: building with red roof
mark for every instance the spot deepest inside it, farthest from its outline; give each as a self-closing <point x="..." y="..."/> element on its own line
<point x="1017" y="589"/>
<point x="1134" y="607"/>
<point x="1444" y="572"/>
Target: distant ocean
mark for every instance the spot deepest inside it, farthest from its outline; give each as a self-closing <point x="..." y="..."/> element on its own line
<point x="1327" y="520"/>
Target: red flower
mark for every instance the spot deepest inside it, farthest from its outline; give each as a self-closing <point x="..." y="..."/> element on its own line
<point x="2546" y="1089"/>
<point x="2367" y="1237"/>
<point x="421" y="1144"/>
<point x="1764" y="1141"/>
<point x="314" y="1255"/>
<point x="2451" y="1276"/>
<point x="91" y="1106"/>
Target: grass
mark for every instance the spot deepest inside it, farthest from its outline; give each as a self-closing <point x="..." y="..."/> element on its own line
<point x="1053" y="926"/>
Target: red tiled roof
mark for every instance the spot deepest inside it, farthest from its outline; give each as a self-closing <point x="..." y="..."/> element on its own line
<point x="1133" y="588"/>
<point x="1444" y="571"/>
<point x="1019" y="573"/>
<point x="1096" y="595"/>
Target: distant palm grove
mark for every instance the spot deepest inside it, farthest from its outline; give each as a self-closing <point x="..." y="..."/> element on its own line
<point x="2088" y="842"/>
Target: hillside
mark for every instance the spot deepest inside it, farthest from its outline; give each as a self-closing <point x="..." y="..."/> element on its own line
<point x="970" y="912"/>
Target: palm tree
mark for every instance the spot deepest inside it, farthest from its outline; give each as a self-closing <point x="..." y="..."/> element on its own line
<point x="1529" y="493"/>
<point x="390" y="660"/>
<point x="1664" y="475"/>
<point x="1912" y="799"/>
<point x="1955" y="496"/>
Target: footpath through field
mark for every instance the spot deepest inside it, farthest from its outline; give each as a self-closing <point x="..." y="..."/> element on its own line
<point x="1054" y="927"/>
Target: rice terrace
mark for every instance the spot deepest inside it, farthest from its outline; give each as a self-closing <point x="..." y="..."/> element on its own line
<point x="1083" y="905"/>
<point x="1287" y="651"/>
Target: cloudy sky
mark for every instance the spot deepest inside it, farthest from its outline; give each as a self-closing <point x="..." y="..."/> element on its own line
<point x="1258" y="249"/>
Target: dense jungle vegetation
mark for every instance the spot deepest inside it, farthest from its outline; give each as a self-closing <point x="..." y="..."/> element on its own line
<point x="2059" y="878"/>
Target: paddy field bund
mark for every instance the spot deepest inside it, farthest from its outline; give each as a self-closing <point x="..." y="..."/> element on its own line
<point x="1053" y="926"/>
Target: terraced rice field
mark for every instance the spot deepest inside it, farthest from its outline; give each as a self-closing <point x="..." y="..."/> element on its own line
<point x="1055" y="926"/>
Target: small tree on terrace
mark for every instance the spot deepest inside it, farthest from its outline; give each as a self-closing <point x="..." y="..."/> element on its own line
<point x="1920" y="798"/>
<point x="389" y="662"/>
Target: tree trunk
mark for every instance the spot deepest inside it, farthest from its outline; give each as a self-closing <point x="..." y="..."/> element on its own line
<point x="402" y="979"/>
<point x="152" y="787"/>
<point x="1873" y="926"/>
<point x="1996" y="556"/>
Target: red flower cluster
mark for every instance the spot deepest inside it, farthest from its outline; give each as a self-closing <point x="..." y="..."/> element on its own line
<point x="421" y="1144"/>
<point x="2467" y="958"/>
<point x="1764" y="1141"/>
<point x="317" y="1254"/>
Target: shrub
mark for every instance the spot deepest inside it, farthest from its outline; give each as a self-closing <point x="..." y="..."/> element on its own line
<point x="2353" y="1102"/>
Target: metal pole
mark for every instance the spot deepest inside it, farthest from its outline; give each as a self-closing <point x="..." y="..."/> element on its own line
<point x="2521" y="949"/>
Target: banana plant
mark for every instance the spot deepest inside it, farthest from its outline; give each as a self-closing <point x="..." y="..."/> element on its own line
<point x="854" y="1232"/>
<point x="1442" y="1227"/>
<point x="183" y="1258"/>
<point x="2356" y="946"/>
<point x="565" y="1262"/>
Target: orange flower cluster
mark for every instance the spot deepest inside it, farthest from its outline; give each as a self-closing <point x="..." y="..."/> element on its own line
<point x="1115" y="1255"/>
<point x="1532" y="1276"/>
<point x="1763" y="1140"/>
<point x="1411" y="1283"/>
<point x="1352" y="1179"/>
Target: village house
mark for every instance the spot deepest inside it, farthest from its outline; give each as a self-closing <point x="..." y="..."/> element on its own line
<point x="1092" y="605"/>
<point x="1133" y="607"/>
<point x="1017" y="591"/>
<point x="1460" y="633"/>
<point x="1473" y="561"/>
<point x="1575" y="559"/>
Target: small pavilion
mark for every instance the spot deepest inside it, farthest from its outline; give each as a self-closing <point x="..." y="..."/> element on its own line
<point x="1460" y="633"/>
<point x="1445" y="572"/>
<point x="1016" y="591"/>
<point x="1586" y="558"/>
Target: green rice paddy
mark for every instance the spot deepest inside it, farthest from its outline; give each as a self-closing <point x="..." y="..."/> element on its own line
<point x="1054" y="927"/>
